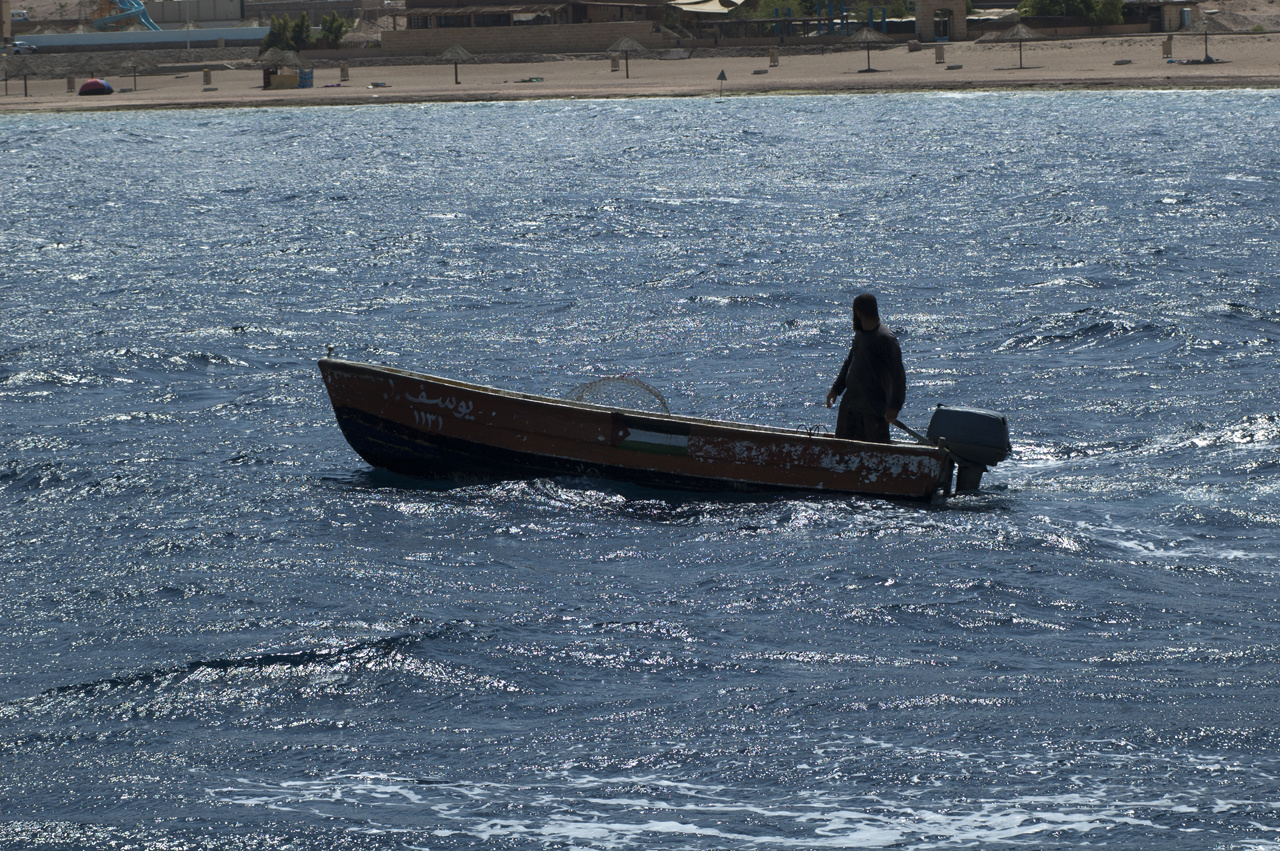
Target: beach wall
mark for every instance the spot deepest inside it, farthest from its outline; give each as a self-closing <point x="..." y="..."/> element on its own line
<point x="72" y="42"/>
<point x="174" y="12"/>
<point x="1050" y="27"/>
<point x="548" y="38"/>
<point x="355" y="10"/>
<point x="774" y="41"/>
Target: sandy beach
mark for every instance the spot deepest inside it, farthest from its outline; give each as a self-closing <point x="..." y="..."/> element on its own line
<point x="1242" y="60"/>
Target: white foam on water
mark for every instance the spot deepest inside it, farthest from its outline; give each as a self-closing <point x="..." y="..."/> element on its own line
<point x="636" y="811"/>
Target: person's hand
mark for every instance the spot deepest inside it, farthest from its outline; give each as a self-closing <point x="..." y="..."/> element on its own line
<point x="831" y="398"/>
<point x="891" y="417"/>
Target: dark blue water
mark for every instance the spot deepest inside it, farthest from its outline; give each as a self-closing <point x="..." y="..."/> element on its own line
<point x="223" y="630"/>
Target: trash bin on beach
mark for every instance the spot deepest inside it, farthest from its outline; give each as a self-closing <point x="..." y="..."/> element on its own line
<point x="306" y="79"/>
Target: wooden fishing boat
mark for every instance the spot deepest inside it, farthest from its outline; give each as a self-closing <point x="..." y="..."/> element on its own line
<point x="423" y="425"/>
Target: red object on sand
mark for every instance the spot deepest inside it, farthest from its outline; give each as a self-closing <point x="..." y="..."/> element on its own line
<point x="96" y="86"/>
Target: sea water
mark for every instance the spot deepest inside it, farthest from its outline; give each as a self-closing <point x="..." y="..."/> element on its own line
<point x="223" y="630"/>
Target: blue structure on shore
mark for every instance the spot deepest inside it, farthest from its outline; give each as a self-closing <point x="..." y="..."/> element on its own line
<point x="130" y="11"/>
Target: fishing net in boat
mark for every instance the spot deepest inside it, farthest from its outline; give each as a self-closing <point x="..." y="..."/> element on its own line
<point x="620" y="391"/>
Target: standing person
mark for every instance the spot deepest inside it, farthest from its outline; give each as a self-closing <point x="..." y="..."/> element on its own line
<point x="872" y="379"/>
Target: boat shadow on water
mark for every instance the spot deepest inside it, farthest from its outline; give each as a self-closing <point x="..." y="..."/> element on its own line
<point x="592" y="496"/>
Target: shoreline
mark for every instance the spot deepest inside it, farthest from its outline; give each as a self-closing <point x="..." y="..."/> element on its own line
<point x="1243" y="61"/>
<point x="267" y="103"/>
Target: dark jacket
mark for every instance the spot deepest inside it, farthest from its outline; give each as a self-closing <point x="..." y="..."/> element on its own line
<point x="873" y="379"/>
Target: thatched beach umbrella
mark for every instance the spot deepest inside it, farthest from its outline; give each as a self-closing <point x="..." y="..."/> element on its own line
<point x="126" y="63"/>
<point x="869" y="37"/>
<point x="363" y="34"/>
<point x="277" y="58"/>
<point x="83" y="65"/>
<point x="18" y="66"/>
<point x="73" y="66"/>
<point x="1207" y="25"/>
<point x="625" y="46"/>
<point x="357" y="38"/>
<point x="1019" y="32"/>
<point x="273" y="59"/>
<point x="457" y="54"/>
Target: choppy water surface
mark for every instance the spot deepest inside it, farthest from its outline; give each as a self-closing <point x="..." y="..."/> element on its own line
<point x="223" y="630"/>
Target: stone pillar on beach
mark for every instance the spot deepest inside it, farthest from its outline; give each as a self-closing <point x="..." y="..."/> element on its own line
<point x="925" y="10"/>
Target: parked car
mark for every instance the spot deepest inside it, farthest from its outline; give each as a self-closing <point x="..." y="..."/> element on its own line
<point x="22" y="47"/>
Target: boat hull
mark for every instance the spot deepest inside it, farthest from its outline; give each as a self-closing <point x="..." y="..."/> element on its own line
<point x="431" y="427"/>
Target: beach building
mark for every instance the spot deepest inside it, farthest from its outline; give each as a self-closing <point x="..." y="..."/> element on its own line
<point x="1139" y="16"/>
<point x="352" y="10"/>
<point x="577" y="26"/>
<point x="1163" y="16"/>
<point x="430" y="27"/>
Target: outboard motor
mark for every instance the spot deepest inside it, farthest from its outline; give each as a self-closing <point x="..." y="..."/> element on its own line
<point x="977" y="439"/>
